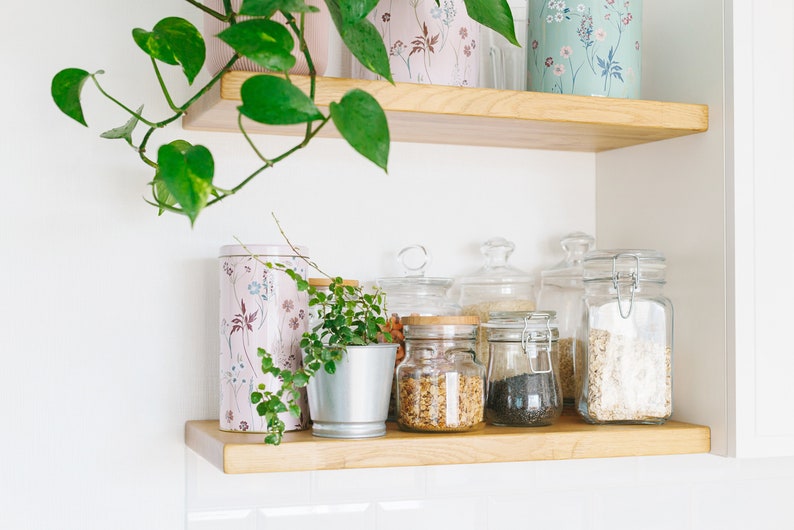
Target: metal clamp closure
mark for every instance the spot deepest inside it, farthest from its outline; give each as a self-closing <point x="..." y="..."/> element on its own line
<point x="630" y="279"/>
<point x="526" y="340"/>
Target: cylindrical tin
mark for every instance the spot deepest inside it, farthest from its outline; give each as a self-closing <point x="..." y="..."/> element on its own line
<point x="260" y="307"/>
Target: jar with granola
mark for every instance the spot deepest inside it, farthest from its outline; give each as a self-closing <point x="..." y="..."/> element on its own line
<point x="441" y="388"/>
<point x="627" y="369"/>
<point x="562" y="291"/>
<point x="496" y="286"/>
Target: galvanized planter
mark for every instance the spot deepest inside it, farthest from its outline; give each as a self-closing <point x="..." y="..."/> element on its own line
<point x="354" y="401"/>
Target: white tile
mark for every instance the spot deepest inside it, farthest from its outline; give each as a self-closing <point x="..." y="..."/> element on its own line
<point x="208" y="487"/>
<point x="685" y="468"/>
<point x="753" y="468"/>
<point x="767" y="503"/>
<point x="718" y="506"/>
<point x="646" y="508"/>
<point x="222" y="520"/>
<point x="530" y="508"/>
<point x="475" y="479"/>
<point x="594" y="473"/>
<point x="351" y="516"/>
<point x="355" y="485"/>
<point x="460" y="513"/>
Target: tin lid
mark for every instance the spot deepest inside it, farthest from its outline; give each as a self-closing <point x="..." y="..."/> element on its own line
<point x="274" y="250"/>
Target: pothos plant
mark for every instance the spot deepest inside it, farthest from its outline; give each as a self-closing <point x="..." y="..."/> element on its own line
<point x="183" y="174"/>
<point x="347" y="315"/>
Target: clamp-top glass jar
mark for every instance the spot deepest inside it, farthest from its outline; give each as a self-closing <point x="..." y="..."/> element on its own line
<point x="523" y="385"/>
<point x="562" y="290"/>
<point x="441" y="388"/>
<point x="627" y="370"/>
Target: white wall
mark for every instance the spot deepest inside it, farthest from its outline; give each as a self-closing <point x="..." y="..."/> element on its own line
<point x="108" y="316"/>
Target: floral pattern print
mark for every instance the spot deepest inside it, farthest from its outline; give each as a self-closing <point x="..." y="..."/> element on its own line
<point x="442" y="42"/>
<point x="259" y="307"/>
<point x="588" y="48"/>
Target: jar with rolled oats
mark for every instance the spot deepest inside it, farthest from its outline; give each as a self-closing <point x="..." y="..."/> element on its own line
<point x="627" y="367"/>
<point x="440" y="387"/>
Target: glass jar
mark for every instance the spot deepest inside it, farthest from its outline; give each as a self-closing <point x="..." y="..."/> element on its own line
<point x="627" y="370"/>
<point x="441" y="388"/>
<point x="523" y="386"/>
<point x="562" y="291"/>
<point x="497" y="286"/>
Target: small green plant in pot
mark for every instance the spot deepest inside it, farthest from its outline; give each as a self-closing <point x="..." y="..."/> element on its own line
<point x="347" y="317"/>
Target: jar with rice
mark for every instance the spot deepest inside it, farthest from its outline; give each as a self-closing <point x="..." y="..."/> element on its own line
<point x="496" y="286"/>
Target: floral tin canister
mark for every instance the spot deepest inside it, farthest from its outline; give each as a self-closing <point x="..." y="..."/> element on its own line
<point x="427" y="43"/>
<point x="259" y="308"/>
<point x="589" y="48"/>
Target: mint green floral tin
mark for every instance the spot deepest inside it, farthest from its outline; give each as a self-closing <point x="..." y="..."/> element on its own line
<point x="589" y="48"/>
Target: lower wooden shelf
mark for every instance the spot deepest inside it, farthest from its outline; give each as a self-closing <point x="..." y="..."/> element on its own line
<point x="568" y="438"/>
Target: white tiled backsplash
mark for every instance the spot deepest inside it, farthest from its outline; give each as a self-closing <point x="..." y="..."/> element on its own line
<point x="697" y="492"/>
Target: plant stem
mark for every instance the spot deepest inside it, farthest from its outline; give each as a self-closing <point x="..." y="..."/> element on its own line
<point x="119" y="103"/>
<point x="164" y="88"/>
<point x="224" y="18"/>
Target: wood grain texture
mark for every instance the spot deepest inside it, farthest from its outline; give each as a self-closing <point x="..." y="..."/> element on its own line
<point x="478" y="116"/>
<point x="569" y="438"/>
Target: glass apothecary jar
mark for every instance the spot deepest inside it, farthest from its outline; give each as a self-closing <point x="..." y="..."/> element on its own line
<point x="441" y="388"/>
<point x="562" y="291"/>
<point x="523" y="387"/>
<point x="627" y="370"/>
<point x="496" y="286"/>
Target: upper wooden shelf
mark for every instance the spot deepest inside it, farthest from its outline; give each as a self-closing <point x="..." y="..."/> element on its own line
<point x="568" y="438"/>
<point x="478" y="116"/>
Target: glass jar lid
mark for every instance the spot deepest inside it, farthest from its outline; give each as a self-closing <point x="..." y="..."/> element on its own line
<point x="575" y="245"/>
<point x="445" y="326"/>
<point x="523" y="326"/>
<point x="624" y="266"/>
<point x="497" y="271"/>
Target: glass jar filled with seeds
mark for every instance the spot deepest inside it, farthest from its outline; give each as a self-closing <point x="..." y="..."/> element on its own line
<point x="440" y="387"/>
<point x="562" y="290"/>
<point x="627" y="369"/>
<point x="523" y="385"/>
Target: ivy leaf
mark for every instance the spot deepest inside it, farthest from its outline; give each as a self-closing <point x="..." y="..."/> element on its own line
<point x="66" y="88"/>
<point x="125" y="131"/>
<point x="267" y="43"/>
<point x="266" y="8"/>
<point x="161" y="194"/>
<point x="354" y="10"/>
<point x="495" y="14"/>
<point x="363" y="40"/>
<point x="275" y="101"/>
<point x="361" y="121"/>
<point x="187" y="172"/>
<point x="174" y="41"/>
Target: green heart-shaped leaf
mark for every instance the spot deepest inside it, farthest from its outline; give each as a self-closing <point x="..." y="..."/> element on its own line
<point x="66" y="88"/>
<point x="267" y="43"/>
<point x="275" y="101"/>
<point x="495" y="14"/>
<point x="266" y="8"/>
<point x="174" y="41"/>
<point x="187" y="172"/>
<point x="363" y="41"/>
<point x="362" y="122"/>
<point x="354" y="10"/>
<point x="125" y="131"/>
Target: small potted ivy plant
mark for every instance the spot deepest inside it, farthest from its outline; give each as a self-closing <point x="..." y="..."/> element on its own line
<point x="183" y="174"/>
<point x="348" y="363"/>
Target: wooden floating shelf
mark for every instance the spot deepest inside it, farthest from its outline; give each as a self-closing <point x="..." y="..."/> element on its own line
<point x="477" y="116"/>
<point x="568" y="438"/>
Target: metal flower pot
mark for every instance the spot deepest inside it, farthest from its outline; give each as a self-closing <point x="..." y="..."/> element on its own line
<point x="354" y="401"/>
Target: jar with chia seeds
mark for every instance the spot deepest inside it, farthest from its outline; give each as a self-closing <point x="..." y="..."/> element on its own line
<point x="562" y="291"/>
<point x="627" y="369"/>
<point x="441" y="388"/>
<point x="523" y="386"/>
